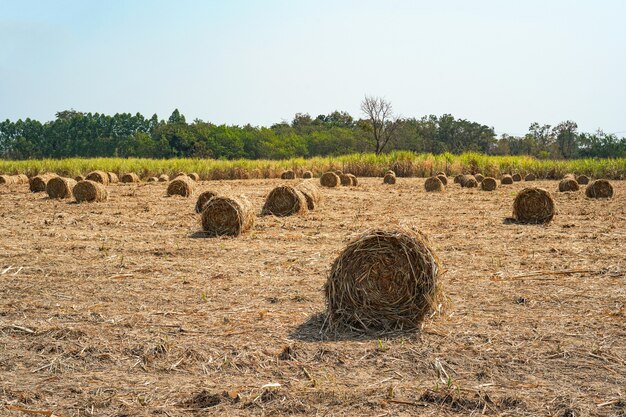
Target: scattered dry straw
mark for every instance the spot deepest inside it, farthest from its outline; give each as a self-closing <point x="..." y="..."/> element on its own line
<point x="181" y="185"/>
<point x="59" y="187"/>
<point x="227" y="216"/>
<point x="90" y="191"/>
<point x="599" y="189"/>
<point x="533" y="205"/>
<point x="284" y="200"/>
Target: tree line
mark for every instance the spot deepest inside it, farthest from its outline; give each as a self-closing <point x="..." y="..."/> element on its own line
<point x="78" y="134"/>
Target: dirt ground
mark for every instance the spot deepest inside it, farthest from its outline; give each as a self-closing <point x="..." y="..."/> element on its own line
<point x="118" y="309"/>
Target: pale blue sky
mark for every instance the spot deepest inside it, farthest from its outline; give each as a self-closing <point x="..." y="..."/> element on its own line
<point x="502" y="63"/>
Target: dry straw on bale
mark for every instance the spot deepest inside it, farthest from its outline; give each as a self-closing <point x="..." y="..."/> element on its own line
<point x="488" y="184"/>
<point x="227" y="216"/>
<point x="389" y="179"/>
<point x="288" y="175"/>
<point x="90" y="191"/>
<point x="113" y="178"/>
<point x="285" y="200"/>
<point x="59" y="187"/>
<point x="568" y="184"/>
<point x="533" y="205"/>
<point x="98" y="176"/>
<point x="530" y="177"/>
<point x="382" y="281"/>
<point x="194" y="176"/>
<point x="582" y="179"/>
<point x="181" y="185"/>
<point x="434" y="184"/>
<point x="469" y="182"/>
<point x="38" y="183"/>
<point x="599" y="189"/>
<point x="506" y="179"/>
<point x="79" y="178"/>
<point x="346" y="180"/>
<point x="479" y="177"/>
<point x="307" y="174"/>
<point x="130" y="177"/>
<point x="311" y="194"/>
<point x="443" y="179"/>
<point x="203" y="199"/>
<point x="330" y="179"/>
<point x="355" y="180"/>
<point x="164" y="178"/>
<point x="516" y="177"/>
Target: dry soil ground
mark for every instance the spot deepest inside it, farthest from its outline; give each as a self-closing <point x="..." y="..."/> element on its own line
<point x="118" y="309"/>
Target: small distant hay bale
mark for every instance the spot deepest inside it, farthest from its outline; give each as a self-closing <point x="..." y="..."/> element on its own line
<point x="355" y="180"/>
<point x="459" y="179"/>
<point x="440" y="173"/>
<point x="203" y="199"/>
<point x="582" y="180"/>
<point x="443" y="179"/>
<point x="90" y="191"/>
<point x="488" y="184"/>
<point x="152" y="179"/>
<point x="311" y="194"/>
<point x="130" y="177"/>
<point x="389" y="179"/>
<point x="570" y="175"/>
<point x="345" y="180"/>
<point x="98" y="176"/>
<point x="164" y="178"/>
<point x="433" y="184"/>
<point x="227" y="216"/>
<point x="382" y="281"/>
<point x="330" y="179"/>
<point x="307" y="174"/>
<point x="194" y="176"/>
<point x="60" y="188"/>
<point x="39" y="183"/>
<point x="113" y="178"/>
<point x="506" y="180"/>
<point x="533" y="205"/>
<point x="568" y="184"/>
<point x="180" y="174"/>
<point x="516" y="177"/>
<point x="599" y="189"/>
<point x="339" y="172"/>
<point x="22" y="179"/>
<point x="469" y="182"/>
<point x="390" y="172"/>
<point x="8" y="179"/>
<point x="479" y="177"/>
<point x="283" y="201"/>
<point x="530" y="177"/>
<point x="79" y="178"/>
<point x="288" y="175"/>
<point x="181" y="185"/>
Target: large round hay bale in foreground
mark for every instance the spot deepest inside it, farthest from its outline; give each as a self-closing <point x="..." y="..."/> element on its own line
<point x="203" y="199"/>
<point x="389" y="179"/>
<point x="582" y="180"/>
<point x="113" y="178"/>
<point x="164" y="178"/>
<point x="533" y="205"/>
<point x="355" y="180"/>
<point x="434" y="184"/>
<point x="194" y="176"/>
<point x="345" y="180"/>
<point x="330" y="179"/>
<point x="98" y="176"/>
<point x="568" y="184"/>
<point x="488" y="184"/>
<point x="311" y="194"/>
<point x="307" y="174"/>
<point x="530" y="177"/>
<point x="516" y="177"/>
<point x="284" y="200"/>
<point x="182" y="185"/>
<point x="39" y="183"/>
<point x="288" y="175"/>
<point x="8" y="179"/>
<point x="506" y="180"/>
<point x="227" y="216"/>
<point x="130" y="177"/>
<point x="382" y="281"/>
<point x="599" y="189"/>
<point x="469" y="182"/>
<point x="443" y="179"/>
<point x="90" y="191"/>
<point x="479" y="177"/>
<point x="59" y="187"/>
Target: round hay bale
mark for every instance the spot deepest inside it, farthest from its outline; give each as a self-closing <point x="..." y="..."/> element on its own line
<point x="355" y="180"/>
<point x="599" y="189"/>
<point x="59" y="187"/>
<point x="79" y="178"/>
<point x="488" y="184"/>
<point x="582" y="180"/>
<point x="180" y="174"/>
<point x="98" y="176"/>
<point x="390" y="172"/>
<point x="570" y="175"/>
<point x="479" y="177"/>
<point x="7" y="179"/>
<point x="203" y="199"/>
<point x="113" y="178"/>
<point x="346" y="180"/>
<point x="434" y="184"/>
<point x="469" y="182"/>
<point x="330" y="179"/>
<point x="288" y="175"/>
<point x="568" y="184"/>
<point x="530" y="177"/>
<point x="181" y="185"/>
<point x="164" y="178"/>
<point x="339" y="172"/>
<point x="459" y="179"/>
<point x="389" y="179"/>
<point x="311" y="194"/>
<point x="516" y="177"/>
<point x="440" y="173"/>
<point x="152" y="179"/>
<point x="283" y="201"/>
<point x="227" y="216"/>
<point x="443" y="179"/>
<point x="506" y="180"/>
<point x="533" y="205"/>
<point x="90" y="191"/>
<point x="382" y="281"/>
<point x="307" y="174"/>
<point x="130" y="177"/>
<point x="22" y="179"/>
<point x="194" y="176"/>
<point x="39" y="183"/>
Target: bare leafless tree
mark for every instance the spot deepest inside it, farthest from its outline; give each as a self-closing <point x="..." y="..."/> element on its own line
<point x="382" y="121"/>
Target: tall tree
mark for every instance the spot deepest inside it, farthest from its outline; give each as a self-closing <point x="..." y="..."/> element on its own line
<point x="382" y="122"/>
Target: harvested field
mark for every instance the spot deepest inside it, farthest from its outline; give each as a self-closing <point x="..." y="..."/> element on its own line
<point x="119" y="308"/>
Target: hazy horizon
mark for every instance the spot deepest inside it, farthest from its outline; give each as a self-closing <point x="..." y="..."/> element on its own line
<point x="256" y="62"/>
